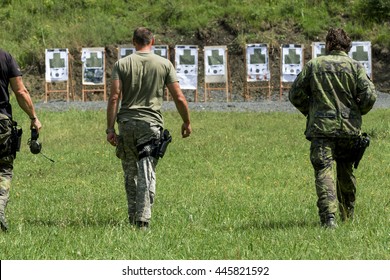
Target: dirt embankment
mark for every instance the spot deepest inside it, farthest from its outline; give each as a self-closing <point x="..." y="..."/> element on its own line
<point x="219" y="35"/>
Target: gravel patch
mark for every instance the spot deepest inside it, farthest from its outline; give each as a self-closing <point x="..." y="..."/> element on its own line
<point x="283" y="105"/>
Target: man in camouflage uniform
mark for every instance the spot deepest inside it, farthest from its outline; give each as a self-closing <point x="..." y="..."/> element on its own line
<point x="10" y="75"/>
<point x="139" y="82"/>
<point x="333" y="92"/>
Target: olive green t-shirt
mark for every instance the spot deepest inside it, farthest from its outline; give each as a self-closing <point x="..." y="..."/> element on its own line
<point x="143" y="77"/>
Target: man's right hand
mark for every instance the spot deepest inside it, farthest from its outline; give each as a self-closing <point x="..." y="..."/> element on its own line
<point x="186" y="130"/>
<point x="112" y="138"/>
<point x="35" y="123"/>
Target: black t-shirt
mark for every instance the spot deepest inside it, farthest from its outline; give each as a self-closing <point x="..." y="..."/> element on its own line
<point x="8" y="69"/>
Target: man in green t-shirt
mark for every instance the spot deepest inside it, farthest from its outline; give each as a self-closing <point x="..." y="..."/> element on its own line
<point x="138" y="85"/>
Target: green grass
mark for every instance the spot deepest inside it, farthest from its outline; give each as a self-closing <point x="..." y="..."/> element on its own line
<point x="241" y="187"/>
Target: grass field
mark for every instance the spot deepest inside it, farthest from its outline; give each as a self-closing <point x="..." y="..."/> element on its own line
<point x="241" y="187"/>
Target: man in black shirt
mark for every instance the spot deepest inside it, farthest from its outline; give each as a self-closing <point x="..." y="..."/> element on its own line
<point x="10" y="75"/>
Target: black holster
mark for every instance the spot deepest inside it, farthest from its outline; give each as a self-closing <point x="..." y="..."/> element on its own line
<point x="360" y="147"/>
<point x="155" y="147"/>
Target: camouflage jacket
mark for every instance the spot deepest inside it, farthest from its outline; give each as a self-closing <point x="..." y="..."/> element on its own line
<point x="333" y="91"/>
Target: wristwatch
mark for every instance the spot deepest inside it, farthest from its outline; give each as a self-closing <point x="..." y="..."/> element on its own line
<point x="109" y="130"/>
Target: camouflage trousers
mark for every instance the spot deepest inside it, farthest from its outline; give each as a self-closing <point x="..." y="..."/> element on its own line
<point x="139" y="174"/>
<point x="333" y="188"/>
<point x="6" y="171"/>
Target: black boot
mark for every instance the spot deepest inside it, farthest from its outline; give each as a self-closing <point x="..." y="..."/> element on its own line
<point x="346" y="212"/>
<point x="142" y="225"/>
<point x="329" y="221"/>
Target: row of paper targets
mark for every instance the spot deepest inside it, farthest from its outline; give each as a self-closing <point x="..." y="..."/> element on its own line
<point x="215" y="62"/>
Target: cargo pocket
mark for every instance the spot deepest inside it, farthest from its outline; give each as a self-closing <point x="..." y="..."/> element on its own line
<point x="320" y="154"/>
<point x="325" y="122"/>
<point x="5" y="128"/>
<point x="5" y="134"/>
<point x="120" y="148"/>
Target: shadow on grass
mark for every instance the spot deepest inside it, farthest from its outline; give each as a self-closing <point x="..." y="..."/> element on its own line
<point x="244" y="225"/>
<point x="272" y="225"/>
<point x="77" y="223"/>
